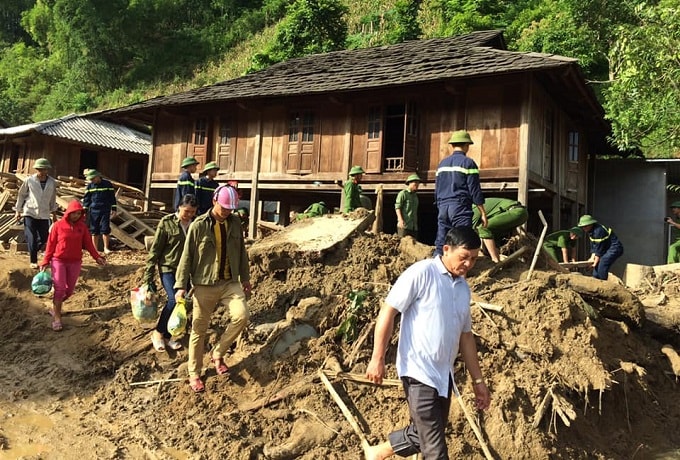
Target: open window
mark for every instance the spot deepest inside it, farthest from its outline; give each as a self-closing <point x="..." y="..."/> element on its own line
<point x="392" y="138"/>
<point x="301" y="142"/>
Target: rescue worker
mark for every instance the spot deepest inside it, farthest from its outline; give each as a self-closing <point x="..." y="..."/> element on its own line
<point x="503" y="216"/>
<point x="99" y="203"/>
<point x="674" y="249"/>
<point x="605" y="247"/>
<point x="352" y="189"/>
<point x="406" y="208"/>
<point x="185" y="182"/>
<point x="561" y="245"/>
<point x="457" y="188"/>
<point x="205" y="187"/>
<point x="313" y="210"/>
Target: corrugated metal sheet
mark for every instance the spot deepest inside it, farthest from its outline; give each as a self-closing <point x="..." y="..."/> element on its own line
<point x="89" y="131"/>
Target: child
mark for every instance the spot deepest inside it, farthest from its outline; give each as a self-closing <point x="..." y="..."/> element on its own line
<point x="68" y="237"/>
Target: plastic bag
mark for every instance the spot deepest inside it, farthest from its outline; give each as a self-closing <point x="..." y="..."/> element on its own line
<point x="144" y="303"/>
<point x="177" y="323"/>
<point x="42" y="283"/>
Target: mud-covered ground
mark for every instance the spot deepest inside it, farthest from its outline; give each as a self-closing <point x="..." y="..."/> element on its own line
<point x="611" y="391"/>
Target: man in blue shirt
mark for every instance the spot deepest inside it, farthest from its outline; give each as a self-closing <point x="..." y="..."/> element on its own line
<point x="185" y="182"/>
<point x="605" y="246"/>
<point x="457" y="188"/>
<point x="100" y="204"/>
<point x="433" y="298"/>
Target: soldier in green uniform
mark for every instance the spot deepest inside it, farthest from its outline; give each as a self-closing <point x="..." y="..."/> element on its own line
<point x="503" y="216"/>
<point x="313" y="210"/>
<point x="674" y="249"/>
<point x="406" y="208"/>
<point x="561" y="245"/>
<point x="352" y="190"/>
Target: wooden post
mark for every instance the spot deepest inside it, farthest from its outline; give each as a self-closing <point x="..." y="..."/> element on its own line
<point x="539" y="245"/>
<point x="378" y="223"/>
<point x="255" y="182"/>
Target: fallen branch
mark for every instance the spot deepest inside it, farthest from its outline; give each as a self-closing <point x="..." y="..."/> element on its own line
<point x="279" y="395"/>
<point x="345" y="411"/>
<point x="356" y="347"/>
<point x="154" y="382"/>
<point x="542" y="408"/>
<point x="358" y="378"/>
<point x="515" y="255"/>
<point x="472" y="423"/>
<point x="489" y="306"/>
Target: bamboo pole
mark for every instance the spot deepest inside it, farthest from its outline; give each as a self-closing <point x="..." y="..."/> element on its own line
<point x="472" y="423"/>
<point x="345" y="411"/>
<point x="539" y="246"/>
<point x="153" y="382"/>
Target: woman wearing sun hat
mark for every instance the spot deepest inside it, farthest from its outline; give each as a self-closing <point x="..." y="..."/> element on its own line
<point x="406" y="207"/>
<point x="605" y="246"/>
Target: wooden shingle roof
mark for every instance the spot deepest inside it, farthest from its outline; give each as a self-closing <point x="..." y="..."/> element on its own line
<point x="412" y="62"/>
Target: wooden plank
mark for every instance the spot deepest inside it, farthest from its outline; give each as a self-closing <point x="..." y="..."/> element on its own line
<point x="125" y="238"/>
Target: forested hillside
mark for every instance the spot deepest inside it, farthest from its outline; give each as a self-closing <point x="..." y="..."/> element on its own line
<point x="63" y="56"/>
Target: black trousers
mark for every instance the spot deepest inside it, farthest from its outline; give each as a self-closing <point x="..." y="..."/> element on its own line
<point x="429" y="415"/>
<point x="36" y="232"/>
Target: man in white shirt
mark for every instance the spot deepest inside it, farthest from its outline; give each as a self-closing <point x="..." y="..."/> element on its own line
<point x="36" y="203"/>
<point x="433" y="298"/>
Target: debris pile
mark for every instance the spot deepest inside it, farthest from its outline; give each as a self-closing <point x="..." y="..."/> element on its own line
<point x="571" y="366"/>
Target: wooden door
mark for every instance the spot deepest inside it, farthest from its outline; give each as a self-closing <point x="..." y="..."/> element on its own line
<point x="302" y="137"/>
<point x="198" y="148"/>
<point x="224" y="145"/>
<point x="374" y="140"/>
<point x="411" y="138"/>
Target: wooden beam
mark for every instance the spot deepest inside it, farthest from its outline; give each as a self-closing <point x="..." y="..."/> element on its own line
<point x="254" y="193"/>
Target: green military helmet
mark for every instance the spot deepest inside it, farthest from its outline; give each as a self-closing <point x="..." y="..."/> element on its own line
<point x="91" y="174"/>
<point x="42" y="163"/>
<point x="460" y="137"/>
<point x="675" y="204"/>
<point x="576" y="231"/>
<point x="188" y="161"/>
<point x="586" y="220"/>
<point x="209" y="166"/>
<point x="412" y="178"/>
<point x="356" y="170"/>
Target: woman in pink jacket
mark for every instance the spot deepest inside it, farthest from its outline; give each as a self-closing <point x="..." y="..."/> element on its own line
<point x="68" y="237"/>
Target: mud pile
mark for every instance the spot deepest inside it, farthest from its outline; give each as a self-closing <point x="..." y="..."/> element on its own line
<point x="573" y="370"/>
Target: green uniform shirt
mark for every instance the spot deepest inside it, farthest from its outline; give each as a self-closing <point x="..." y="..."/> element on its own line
<point x="200" y="262"/>
<point x="559" y="239"/>
<point x="167" y="247"/>
<point x="503" y="215"/>
<point x="352" y="193"/>
<point x="407" y="202"/>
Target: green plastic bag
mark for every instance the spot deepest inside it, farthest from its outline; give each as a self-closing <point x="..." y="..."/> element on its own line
<point x="177" y="323"/>
<point x="144" y="303"/>
<point x="41" y="283"/>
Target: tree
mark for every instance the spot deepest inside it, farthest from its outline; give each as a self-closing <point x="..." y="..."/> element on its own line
<point x="310" y="26"/>
<point x="406" y="25"/>
<point x="643" y="102"/>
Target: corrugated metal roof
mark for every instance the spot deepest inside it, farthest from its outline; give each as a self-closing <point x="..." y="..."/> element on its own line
<point x="89" y="131"/>
<point x="407" y="63"/>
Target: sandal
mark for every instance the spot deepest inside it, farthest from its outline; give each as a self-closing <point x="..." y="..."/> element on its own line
<point x="220" y="367"/>
<point x="57" y="326"/>
<point x="158" y="343"/>
<point x="196" y="384"/>
<point x="173" y="344"/>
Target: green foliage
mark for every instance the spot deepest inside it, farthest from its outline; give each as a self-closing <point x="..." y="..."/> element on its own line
<point x="405" y="19"/>
<point x="348" y="328"/>
<point x="643" y="102"/>
<point x="310" y="26"/>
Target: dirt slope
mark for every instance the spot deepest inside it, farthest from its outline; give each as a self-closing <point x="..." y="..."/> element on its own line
<point x="68" y="394"/>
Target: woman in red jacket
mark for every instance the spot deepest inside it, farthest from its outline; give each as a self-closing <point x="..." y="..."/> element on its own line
<point x="68" y="237"/>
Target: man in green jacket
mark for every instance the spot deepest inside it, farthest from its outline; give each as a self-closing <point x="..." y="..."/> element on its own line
<point x="215" y="260"/>
<point x="352" y="189"/>
<point x="313" y="210"/>
<point x="674" y="249"/>
<point x="561" y="245"/>
<point x="406" y="208"/>
<point x="503" y="216"/>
